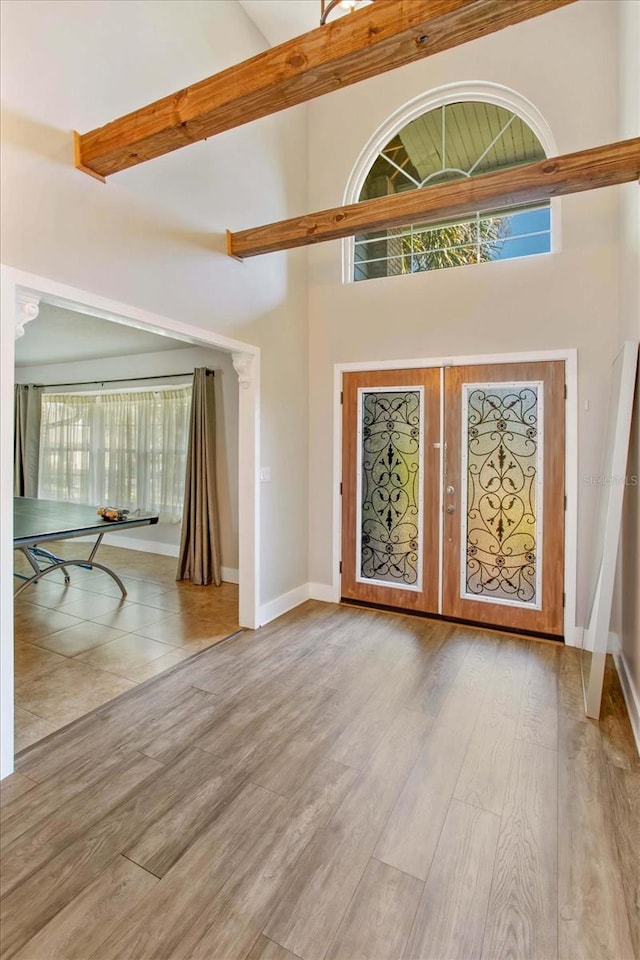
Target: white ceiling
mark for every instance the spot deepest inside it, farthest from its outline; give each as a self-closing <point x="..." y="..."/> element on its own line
<point x="59" y="336"/>
<point x="280" y="20"/>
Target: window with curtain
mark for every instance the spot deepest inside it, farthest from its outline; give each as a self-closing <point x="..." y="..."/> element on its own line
<point x="123" y="449"/>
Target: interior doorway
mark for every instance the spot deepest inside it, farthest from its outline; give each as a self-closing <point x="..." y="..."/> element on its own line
<point x="453" y="492"/>
<point x="21" y="295"/>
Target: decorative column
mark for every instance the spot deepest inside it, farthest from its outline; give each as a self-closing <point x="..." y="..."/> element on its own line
<point x="243" y="364"/>
<point x="247" y="366"/>
<point x="28" y="308"/>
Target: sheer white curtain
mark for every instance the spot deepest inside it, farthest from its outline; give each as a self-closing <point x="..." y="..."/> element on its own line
<point x="66" y="432"/>
<point x="123" y="449"/>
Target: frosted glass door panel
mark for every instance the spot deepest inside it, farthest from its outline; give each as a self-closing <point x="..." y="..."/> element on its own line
<point x="501" y="496"/>
<point x="390" y="465"/>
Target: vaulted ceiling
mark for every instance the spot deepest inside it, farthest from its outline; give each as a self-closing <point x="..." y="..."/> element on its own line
<point x="280" y="20"/>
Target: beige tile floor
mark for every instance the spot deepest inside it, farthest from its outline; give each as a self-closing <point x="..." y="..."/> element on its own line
<point x="78" y="646"/>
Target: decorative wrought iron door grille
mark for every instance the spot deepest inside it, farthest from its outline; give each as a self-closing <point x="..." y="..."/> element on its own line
<point x="389" y="534"/>
<point x="501" y="499"/>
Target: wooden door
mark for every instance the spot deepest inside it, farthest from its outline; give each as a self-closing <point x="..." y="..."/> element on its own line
<point x="391" y="488"/>
<point x="503" y="548"/>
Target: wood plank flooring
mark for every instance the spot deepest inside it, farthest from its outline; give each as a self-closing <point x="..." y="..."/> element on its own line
<point x="343" y="784"/>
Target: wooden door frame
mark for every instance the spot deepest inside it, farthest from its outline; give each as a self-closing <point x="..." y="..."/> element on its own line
<point x="572" y="633"/>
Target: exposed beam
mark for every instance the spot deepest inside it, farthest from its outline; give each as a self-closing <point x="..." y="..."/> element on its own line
<point x="530" y="183"/>
<point x="385" y="35"/>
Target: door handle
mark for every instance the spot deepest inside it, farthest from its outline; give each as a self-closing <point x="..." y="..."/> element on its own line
<point x="450" y="508"/>
<point x="450" y="490"/>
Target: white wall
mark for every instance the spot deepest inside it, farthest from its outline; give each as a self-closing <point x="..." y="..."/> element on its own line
<point x="628" y="578"/>
<point x="153" y="237"/>
<point x="565" y="63"/>
<point x="7" y="308"/>
<point x="165" y="537"/>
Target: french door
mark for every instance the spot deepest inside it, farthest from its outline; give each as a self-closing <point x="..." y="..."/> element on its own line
<point x="453" y="492"/>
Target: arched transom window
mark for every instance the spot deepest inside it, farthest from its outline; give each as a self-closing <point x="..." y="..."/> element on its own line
<point x="452" y="142"/>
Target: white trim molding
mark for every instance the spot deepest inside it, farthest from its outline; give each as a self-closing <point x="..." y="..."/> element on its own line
<point x="162" y="549"/>
<point x="159" y="547"/>
<point x="230" y="575"/>
<point x="288" y="601"/>
<point x="247" y="366"/>
<point x="7" y="353"/>
<point x="280" y="605"/>
<point x="629" y="692"/>
<point x="481" y="91"/>
<point x="322" y="591"/>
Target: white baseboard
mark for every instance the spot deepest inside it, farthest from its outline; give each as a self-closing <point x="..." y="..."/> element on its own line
<point x="575" y="638"/>
<point x="631" y="695"/>
<point x="144" y="546"/>
<point x="229" y="574"/>
<point x="307" y="591"/>
<point x="275" y="608"/>
<point x="323" y="591"/>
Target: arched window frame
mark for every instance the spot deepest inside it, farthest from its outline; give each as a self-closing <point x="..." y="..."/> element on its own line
<point x="471" y="90"/>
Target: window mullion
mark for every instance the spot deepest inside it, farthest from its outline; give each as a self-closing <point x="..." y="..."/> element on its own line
<point x="414" y="151"/>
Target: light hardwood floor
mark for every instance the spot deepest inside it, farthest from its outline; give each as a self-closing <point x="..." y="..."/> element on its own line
<point x="79" y="646"/>
<point x="342" y="784"/>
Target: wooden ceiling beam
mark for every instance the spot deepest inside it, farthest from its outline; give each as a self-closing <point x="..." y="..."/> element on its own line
<point x="385" y="35"/>
<point x="604" y="166"/>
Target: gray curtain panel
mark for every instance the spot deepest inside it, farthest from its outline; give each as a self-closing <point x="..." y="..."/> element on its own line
<point x="26" y="439"/>
<point x="199" y="559"/>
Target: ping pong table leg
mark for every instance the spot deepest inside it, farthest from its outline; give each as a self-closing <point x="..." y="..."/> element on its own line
<point x="51" y="557"/>
<point x="72" y="563"/>
<point x="31" y="553"/>
<point x="57" y="563"/>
